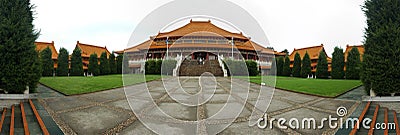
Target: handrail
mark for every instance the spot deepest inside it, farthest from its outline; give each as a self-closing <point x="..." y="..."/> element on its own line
<point x="24" y="121"/>
<point x="397" y="123"/>
<point x="3" y="116"/>
<point x="40" y="121"/>
<point x="12" y="121"/>
<point x="371" y="130"/>
<point x="221" y="64"/>
<point x="353" y="132"/>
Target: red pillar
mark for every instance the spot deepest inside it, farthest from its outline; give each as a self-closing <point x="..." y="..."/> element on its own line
<point x="207" y="56"/>
<point x="192" y="56"/>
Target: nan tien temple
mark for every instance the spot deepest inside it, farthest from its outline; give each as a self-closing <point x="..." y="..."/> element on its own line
<point x="198" y="41"/>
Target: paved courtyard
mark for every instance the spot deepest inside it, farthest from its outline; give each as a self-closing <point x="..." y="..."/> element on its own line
<point x="108" y="112"/>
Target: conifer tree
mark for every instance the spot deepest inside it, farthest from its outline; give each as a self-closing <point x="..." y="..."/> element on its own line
<point x="120" y="57"/>
<point x="337" y="63"/>
<point x="322" y="66"/>
<point x="93" y="67"/>
<point x="296" y="66"/>
<point x="306" y="66"/>
<point x="19" y="62"/>
<point x="381" y="59"/>
<point x="353" y="64"/>
<point x="104" y="64"/>
<point x="279" y="65"/>
<point x="286" y="67"/>
<point x="62" y="63"/>
<point x="47" y="62"/>
<point x="76" y="63"/>
<point x="113" y="64"/>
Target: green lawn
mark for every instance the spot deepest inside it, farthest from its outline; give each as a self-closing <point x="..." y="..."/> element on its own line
<point x="80" y="85"/>
<point x="320" y="87"/>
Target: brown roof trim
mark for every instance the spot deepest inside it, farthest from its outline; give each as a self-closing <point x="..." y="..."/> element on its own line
<point x="322" y="45"/>
<point x="162" y="34"/>
<point x="105" y="47"/>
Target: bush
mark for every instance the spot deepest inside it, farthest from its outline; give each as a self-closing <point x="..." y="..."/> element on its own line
<point x="286" y="67"/>
<point x="47" y="62"/>
<point x="322" y="66"/>
<point x="381" y="60"/>
<point x="93" y="67"/>
<point x="76" y="63"/>
<point x="337" y="63"/>
<point x="353" y="64"/>
<point x="273" y="70"/>
<point x="252" y="68"/>
<point x="150" y="67"/>
<point x="306" y="66"/>
<point x="236" y="67"/>
<point x="168" y="66"/>
<point x="62" y="63"/>
<point x="296" y="66"/>
<point x="158" y="67"/>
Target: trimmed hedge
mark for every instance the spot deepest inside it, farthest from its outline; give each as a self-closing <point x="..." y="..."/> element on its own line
<point x="236" y="67"/>
<point x="157" y="67"/>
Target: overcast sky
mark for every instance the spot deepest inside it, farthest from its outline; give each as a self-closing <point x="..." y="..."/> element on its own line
<point x="288" y="24"/>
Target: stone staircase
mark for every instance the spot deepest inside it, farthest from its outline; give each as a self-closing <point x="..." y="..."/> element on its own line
<point x="24" y="118"/>
<point x="192" y="68"/>
<point x="377" y="114"/>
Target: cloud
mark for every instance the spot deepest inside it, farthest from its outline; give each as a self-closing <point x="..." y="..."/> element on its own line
<point x="288" y="24"/>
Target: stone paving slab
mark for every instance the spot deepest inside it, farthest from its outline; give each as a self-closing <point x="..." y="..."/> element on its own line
<point x="84" y="113"/>
<point x="94" y="120"/>
<point x="243" y="128"/>
<point x="64" y="103"/>
<point x="177" y="111"/>
<point x="302" y="113"/>
<point x="330" y="104"/>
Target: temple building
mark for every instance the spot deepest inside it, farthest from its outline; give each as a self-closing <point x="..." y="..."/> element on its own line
<point x="43" y="45"/>
<point x="348" y="49"/>
<point x="87" y="50"/>
<point x="199" y="40"/>
<point x="313" y="52"/>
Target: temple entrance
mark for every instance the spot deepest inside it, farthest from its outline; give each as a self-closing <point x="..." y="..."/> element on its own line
<point x="198" y="63"/>
<point x="204" y="56"/>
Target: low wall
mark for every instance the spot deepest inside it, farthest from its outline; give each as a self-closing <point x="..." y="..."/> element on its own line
<point x="6" y="100"/>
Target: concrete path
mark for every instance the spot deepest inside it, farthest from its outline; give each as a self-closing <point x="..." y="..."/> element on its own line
<point x="45" y="92"/>
<point x="355" y="94"/>
<point x="108" y="112"/>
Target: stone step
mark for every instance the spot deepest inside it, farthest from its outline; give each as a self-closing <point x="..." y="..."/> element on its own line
<point x="380" y="118"/>
<point x="356" y="114"/>
<point x="398" y="122"/>
<point x="2" y="118"/>
<point x="369" y="114"/>
<point x="18" y="125"/>
<point x="33" y="125"/>
<point x="391" y="119"/>
<point x="5" y="130"/>
<point x="193" y="68"/>
<point x="51" y="126"/>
